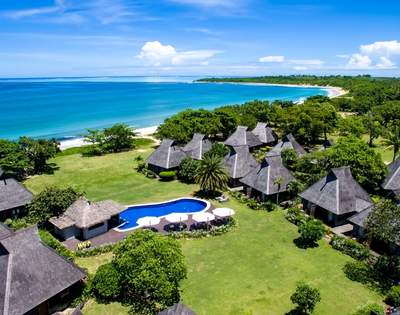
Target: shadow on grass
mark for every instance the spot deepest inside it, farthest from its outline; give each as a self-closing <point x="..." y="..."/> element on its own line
<point x="207" y="194"/>
<point x="295" y="311"/>
<point x="50" y="168"/>
<point x="301" y="243"/>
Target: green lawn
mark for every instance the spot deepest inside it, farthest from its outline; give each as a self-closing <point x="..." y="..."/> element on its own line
<point x="251" y="270"/>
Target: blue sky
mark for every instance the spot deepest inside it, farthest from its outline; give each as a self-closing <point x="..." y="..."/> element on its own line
<point x="198" y="37"/>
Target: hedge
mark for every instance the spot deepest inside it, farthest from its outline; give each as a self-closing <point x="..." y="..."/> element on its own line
<point x="350" y="247"/>
<point x="54" y="243"/>
<point x="167" y="175"/>
<point x="214" y="231"/>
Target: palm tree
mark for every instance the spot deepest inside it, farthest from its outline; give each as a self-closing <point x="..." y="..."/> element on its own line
<point x="211" y="174"/>
<point x="392" y="138"/>
<point x="278" y="181"/>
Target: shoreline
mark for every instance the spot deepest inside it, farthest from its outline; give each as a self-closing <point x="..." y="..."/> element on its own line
<point x="79" y="141"/>
<point x="149" y="131"/>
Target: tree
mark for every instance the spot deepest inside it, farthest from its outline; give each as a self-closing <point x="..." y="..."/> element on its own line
<point x="118" y="138"/>
<point x="295" y="187"/>
<point x="383" y="222"/>
<point x="38" y="152"/>
<point x="218" y="149"/>
<point x="106" y="285"/>
<point x="13" y="160"/>
<point x="366" y="165"/>
<point x="50" y="202"/>
<point x="351" y="126"/>
<point x="289" y="158"/>
<point x="150" y="267"/>
<point x="96" y="138"/>
<point x="311" y="232"/>
<point x="187" y="170"/>
<point x="373" y="126"/>
<point x="211" y="174"/>
<point x="306" y="297"/>
<point x="278" y="182"/>
<point x="392" y="137"/>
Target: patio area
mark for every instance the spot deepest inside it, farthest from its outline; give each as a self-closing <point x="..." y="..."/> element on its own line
<point x="164" y="227"/>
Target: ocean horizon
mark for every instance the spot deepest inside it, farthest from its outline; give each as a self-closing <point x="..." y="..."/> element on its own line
<point x="64" y="108"/>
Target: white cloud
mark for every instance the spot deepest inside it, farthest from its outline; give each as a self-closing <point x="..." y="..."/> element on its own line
<point x="382" y="48"/>
<point x="157" y="54"/>
<point x="18" y="14"/>
<point x="344" y="56"/>
<point x="307" y="62"/>
<point x="385" y="63"/>
<point x="209" y="3"/>
<point x="359" y="61"/>
<point x="299" y="68"/>
<point x="272" y="59"/>
<point x="202" y="30"/>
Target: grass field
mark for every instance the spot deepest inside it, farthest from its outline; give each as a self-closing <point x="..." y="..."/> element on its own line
<point x="251" y="270"/>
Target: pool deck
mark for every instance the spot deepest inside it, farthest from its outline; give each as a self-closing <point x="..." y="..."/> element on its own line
<point x="112" y="236"/>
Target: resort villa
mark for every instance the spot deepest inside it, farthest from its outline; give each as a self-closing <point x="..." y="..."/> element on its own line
<point x="392" y="180"/>
<point x="288" y="142"/>
<point x="242" y="137"/>
<point x="34" y="278"/>
<point x="336" y="197"/>
<point x="13" y="197"/>
<point x="166" y="157"/>
<point x="239" y="162"/>
<point x="265" y="134"/>
<point x="268" y="179"/>
<point x="85" y="219"/>
<point x="197" y="147"/>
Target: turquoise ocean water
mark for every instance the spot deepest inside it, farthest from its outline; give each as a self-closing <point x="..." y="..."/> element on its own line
<point x="66" y="107"/>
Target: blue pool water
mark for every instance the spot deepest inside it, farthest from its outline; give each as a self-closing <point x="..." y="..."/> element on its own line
<point x="186" y="205"/>
<point x="64" y="108"/>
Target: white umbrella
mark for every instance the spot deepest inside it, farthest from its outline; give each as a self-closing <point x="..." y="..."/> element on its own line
<point x="223" y="212"/>
<point x="148" y="221"/>
<point x="176" y="217"/>
<point x="203" y="217"/>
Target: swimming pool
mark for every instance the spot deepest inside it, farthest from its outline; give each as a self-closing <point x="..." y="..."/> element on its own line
<point x="181" y="205"/>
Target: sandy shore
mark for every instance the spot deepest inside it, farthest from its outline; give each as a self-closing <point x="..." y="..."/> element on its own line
<point x="79" y="142"/>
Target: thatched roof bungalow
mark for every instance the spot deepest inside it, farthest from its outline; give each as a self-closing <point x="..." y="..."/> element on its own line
<point x="239" y="162"/>
<point x="288" y="142"/>
<point x="85" y="219"/>
<point x="167" y="156"/>
<point x="392" y="180"/>
<point x="265" y="134"/>
<point x="242" y="137"/>
<point x="177" y="309"/>
<point x="262" y="182"/>
<point x="13" y="197"/>
<point x="336" y="197"/>
<point x="197" y="147"/>
<point x="34" y="279"/>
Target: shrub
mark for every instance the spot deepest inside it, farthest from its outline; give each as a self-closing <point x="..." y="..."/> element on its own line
<point x="358" y="271"/>
<point x="106" y="283"/>
<point x="188" y="170"/>
<point x="95" y="251"/>
<point x="311" y="232"/>
<point x="306" y="297"/>
<point x="393" y="296"/>
<point x="167" y="175"/>
<point x="389" y="267"/>
<point x="52" y="242"/>
<point x="16" y="223"/>
<point x="295" y="216"/>
<point x="370" y="309"/>
<point x="350" y="247"/>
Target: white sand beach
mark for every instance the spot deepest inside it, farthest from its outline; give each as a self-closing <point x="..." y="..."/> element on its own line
<point x="79" y="142"/>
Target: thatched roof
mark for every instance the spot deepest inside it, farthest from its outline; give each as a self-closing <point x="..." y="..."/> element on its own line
<point x="167" y="155"/>
<point x="4" y="231"/>
<point x="177" y="309"/>
<point x="83" y="213"/>
<point x="288" y="142"/>
<point x="197" y="146"/>
<point x="263" y="177"/>
<point x="239" y="162"/>
<point x="338" y="192"/>
<point x="243" y="137"/>
<point x="264" y="133"/>
<point x="31" y="272"/>
<point x="13" y="194"/>
<point x="392" y="180"/>
<point x="360" y="218"/>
